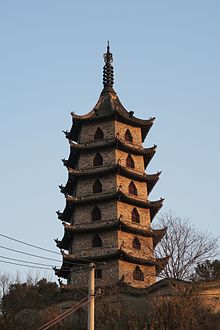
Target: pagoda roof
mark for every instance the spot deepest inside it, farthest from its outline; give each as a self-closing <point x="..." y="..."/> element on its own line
<point x="116" y="142"/>
<point x="108" y="108"/>
<point x="121" y="254"/>
<point x="72" y="201"/>
<point x="150" y="179"/>
<point x="118" y="224"/>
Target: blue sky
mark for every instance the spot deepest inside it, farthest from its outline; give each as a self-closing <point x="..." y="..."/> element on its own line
<point x="166" y="61"/>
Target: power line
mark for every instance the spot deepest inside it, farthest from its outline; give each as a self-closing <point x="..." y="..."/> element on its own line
<point x="28" y="244"/>
<point x="29" y="254"/>
<point x="45" y="268"/>
<point x="43" y="249"/>
<point x="13" y="263"/>
<point x="42" y="257"/>
<point x="28" y="262"/>
<point x="62" y="316"/>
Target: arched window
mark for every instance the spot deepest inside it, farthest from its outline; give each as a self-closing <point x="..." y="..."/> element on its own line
<point x="132" y="189"/>
<point x="128" y="136"/>
<point x="135" y="217"/>
<point x="136" y="244"/>
<point x="96" y="242"/>
<point x="98" y="160"/>
<point x="130" y="161"/>
<point x="99" y="135"/>
<point x="138" y="274"/>
<point x="96" y="214"/>
<point x="98" y="273"/>
<point x="97" y="187"/>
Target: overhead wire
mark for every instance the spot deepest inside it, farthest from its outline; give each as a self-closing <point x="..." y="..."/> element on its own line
<point x="13" y="263"/>
<point x="63" y="315"/>
<point x="82" y="264"/>
<point x="42" y="257"/>
<point x="28" y="262"/>
<point x="28" y="244"/>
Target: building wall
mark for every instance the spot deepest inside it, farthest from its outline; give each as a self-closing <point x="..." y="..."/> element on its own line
<point x="85" y="186"/>
<point x="110" y="275"/>
<point x="138" y="160"/>
<point x="125" y="240"/>
<point x="120" y="129"/>
<point x="82" y="213"/>
<point x="125" y="210"/>
<point x="82" y="244"/>
<point x="124" y="184"/>
<point x="87" y="131"/>
<point x="126" y="270"/>
<point x="86" y="158"/>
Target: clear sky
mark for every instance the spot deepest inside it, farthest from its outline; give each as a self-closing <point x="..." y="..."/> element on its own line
<point x="166" y="60"/>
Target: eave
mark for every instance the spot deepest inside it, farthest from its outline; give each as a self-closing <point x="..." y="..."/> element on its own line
<point x="117" y="143"/>
<point x="74" y="175"/>
<point x="72" y="201"/>
<point x="107" y="108"/>
<point x="129" y="227"/>
<point x="69" y="261"/>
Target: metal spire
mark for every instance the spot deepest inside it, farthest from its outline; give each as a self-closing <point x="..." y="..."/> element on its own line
<point x="108" y="71"/>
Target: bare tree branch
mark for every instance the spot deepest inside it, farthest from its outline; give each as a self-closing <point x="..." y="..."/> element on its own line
<point x="185" y="245"/>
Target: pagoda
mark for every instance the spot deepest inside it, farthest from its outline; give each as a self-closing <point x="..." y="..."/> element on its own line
<point x="107" y="217"/>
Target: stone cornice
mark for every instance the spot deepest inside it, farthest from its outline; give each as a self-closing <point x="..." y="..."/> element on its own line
<point x="130" y="227"/>
<point x="69" y="261"/>
<point x="74" y="175"/>
<point x="72" y="202"/>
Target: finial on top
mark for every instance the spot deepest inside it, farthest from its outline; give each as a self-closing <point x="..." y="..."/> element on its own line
<point x="108" y="71"/>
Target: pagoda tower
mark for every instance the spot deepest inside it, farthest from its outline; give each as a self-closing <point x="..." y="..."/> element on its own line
<point x="107" y="217"/>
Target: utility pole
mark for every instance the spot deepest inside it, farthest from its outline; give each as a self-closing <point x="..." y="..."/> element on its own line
<point x="91" y="297"/>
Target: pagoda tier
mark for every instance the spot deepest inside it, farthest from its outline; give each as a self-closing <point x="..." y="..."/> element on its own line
<point x="74" y="175"/>
<point x="125" y="226"/>
<point x="117" y="143"/>
<point x="108" y="108"/>
<point x="75" y="148"/>
<point x="72" y="202"/>
<point x="69" y="261"/>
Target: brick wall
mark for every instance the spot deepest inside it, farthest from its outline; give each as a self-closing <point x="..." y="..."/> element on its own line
<point x="110" y="275"/>
<point x="125" y="240"/>
<point x="125" y="210"/>
<point x="82" y="213"/>
<point x="86" y="158"/>
<point x="138" y="160"/>
<point x="87" y="131"/>
<point x="85" y="186"/>
<point x="124" y="183"/>
<point x="82" y="244"/>
<point x="121" y="128"/>
<point x="126" y="270"/>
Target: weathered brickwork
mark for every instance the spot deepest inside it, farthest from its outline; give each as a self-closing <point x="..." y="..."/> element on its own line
<point x="126" y="271"/>
<point x="126" y="241"/>
<point x="121" y="128"/>
<point x="125" y="210"/>
<point x="85" y="186"/>
<point x="138" y="160"/>
<point x="88" y="131"/>
<point x="86" y="158"/>
<point x="82" y="244"/>
<point x="82" y="213"/>
<point x="123" y="183"/>
<point x="110" y="275"/>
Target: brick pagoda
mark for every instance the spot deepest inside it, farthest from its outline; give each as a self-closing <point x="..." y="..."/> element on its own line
<point x="107" y="217"/>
